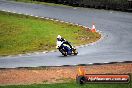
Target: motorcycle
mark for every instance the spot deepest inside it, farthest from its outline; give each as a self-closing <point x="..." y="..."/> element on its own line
<point x="66" y="50"/>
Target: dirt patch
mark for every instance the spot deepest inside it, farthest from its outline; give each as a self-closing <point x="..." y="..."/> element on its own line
<point x="57" y="74"/>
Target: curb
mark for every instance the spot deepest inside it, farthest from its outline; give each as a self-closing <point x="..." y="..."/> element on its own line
<point x="89" y="64"/>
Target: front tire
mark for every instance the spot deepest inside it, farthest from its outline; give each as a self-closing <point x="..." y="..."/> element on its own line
<point x="63" y="52"/>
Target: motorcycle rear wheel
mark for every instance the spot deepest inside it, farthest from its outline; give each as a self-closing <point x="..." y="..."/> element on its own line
<point x="75" y="52"/>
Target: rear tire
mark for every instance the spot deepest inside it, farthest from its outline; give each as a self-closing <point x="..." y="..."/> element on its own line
<point x="75" y="52"/>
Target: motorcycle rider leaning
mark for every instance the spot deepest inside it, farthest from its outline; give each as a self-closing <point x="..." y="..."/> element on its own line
<point x="61" y="41"/>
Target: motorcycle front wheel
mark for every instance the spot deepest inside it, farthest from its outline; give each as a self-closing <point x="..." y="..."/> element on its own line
<point x="63" y="52"/>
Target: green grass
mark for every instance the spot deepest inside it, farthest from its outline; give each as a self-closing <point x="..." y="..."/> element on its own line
<point x="69" y="85"/>
<point x="21" y="34"/>
<point x="44" y="3"/>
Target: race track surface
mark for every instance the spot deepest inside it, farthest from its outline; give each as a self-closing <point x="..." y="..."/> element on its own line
<point x="115" y="45"/>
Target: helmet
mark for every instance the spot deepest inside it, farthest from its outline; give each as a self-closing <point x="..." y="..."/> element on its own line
<point x="58" y="37"/>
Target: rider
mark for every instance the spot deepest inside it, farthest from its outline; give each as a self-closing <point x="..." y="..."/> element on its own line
<point x="60" y="44"/>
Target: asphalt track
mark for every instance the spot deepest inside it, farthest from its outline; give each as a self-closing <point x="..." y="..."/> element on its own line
<point x="115" y="45"/>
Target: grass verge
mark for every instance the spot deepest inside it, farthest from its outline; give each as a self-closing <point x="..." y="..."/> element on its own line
<point x="21" y="34"/>
<point x="71" y="85"/>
